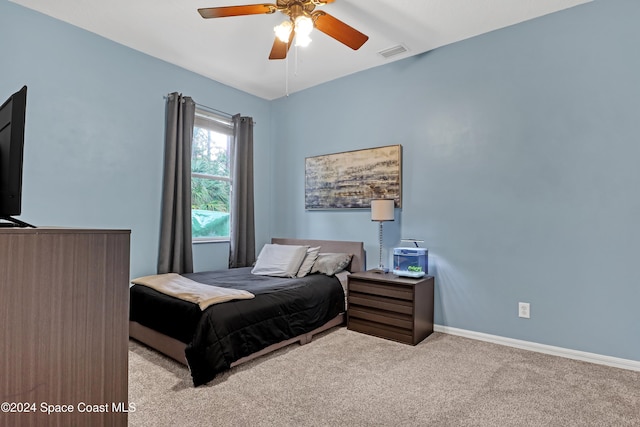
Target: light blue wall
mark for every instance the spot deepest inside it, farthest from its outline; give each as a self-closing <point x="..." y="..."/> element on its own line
<point x="95" y="128"/>
<point x="520" y="171"/>
<point x="520" y="151"/>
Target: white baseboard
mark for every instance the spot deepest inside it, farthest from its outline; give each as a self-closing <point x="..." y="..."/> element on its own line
<point x="616" y="362"/>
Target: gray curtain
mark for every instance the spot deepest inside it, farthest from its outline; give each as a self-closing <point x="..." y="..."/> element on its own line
<point x="242" y="245"/>
<point x="175" y="254"/>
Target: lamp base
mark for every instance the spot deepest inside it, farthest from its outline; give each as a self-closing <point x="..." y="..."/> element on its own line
<point x="380" y="270"/>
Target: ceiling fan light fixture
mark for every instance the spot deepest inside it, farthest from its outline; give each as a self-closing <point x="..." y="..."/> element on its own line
<point x="304" y="25"/>
<point x="302" y="40"/>
<point x="283" y="31"/>
<point x="303" y="18"/>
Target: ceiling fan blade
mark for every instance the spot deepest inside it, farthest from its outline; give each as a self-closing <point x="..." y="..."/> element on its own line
<point x="279" y="49"/>
<point x="340" y="31"/>
<point x="249" y="9"/>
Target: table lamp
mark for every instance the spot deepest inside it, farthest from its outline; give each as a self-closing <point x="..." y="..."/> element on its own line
<point x="382" y="210"/>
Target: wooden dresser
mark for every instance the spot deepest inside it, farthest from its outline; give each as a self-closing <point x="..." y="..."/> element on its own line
<point x="64" y="306"/>
<point x="389" y="306"/>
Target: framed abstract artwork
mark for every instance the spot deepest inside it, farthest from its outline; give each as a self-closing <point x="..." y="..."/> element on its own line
<point x="352" y="178"/>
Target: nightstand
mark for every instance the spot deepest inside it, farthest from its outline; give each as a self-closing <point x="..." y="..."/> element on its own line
<point x="390" y="306"/>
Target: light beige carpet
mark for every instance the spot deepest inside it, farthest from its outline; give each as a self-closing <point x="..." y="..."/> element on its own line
<point x="346" y="378"/>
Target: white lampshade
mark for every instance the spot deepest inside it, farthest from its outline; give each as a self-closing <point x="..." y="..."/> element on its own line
<point x="382" y="209"/>
<point x="283" y="31"/>
<point x="303" y="25"/>
<point x="302" y="40"/>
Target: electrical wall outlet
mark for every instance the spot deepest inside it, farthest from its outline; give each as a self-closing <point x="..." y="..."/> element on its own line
<point x="524" y="310"/>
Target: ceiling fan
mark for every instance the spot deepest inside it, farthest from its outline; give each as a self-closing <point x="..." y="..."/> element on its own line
<point x="302" y="19"/>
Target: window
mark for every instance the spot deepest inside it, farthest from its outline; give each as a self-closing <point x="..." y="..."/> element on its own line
<point x="211" y="176"/>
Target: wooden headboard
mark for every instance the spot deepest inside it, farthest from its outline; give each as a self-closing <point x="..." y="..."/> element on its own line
<point x="358" y="262"/>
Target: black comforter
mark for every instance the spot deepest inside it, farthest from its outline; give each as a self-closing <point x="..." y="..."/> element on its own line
<point x="283" y="308"/>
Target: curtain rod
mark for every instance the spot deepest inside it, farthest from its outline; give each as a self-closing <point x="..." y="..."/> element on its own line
<point x="213" y="110"/>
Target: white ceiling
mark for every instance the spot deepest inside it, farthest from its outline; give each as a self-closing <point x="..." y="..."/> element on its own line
<point x="235" y="50"/>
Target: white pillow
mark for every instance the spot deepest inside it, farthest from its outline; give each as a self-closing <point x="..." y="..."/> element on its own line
<point x="279" y="260"/>
<point x="307" y="263"/>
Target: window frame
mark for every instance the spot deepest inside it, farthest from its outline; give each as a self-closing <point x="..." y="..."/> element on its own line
<point x="212" y="121"/>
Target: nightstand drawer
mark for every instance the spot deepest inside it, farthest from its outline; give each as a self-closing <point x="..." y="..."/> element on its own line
<point x="383" y="331"/>
<point x="380" y="316"/>
<point x="390" y="306"/>
<point x="391" y="291"/>
<point x="381" y="303"/>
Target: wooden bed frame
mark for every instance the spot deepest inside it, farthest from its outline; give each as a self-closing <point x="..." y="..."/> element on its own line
<point x="175" y="349"/>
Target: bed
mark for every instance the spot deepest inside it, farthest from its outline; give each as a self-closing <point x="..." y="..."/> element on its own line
<point x="283" y="311"/>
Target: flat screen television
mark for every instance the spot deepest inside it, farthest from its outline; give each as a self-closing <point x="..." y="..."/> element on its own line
<point x="12" y="118"/>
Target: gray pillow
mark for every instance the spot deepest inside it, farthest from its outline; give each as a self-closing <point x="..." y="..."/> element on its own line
<point x="307" y="263"/>
<point x="279" y="260"/>
<point x="331" y="263"/>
